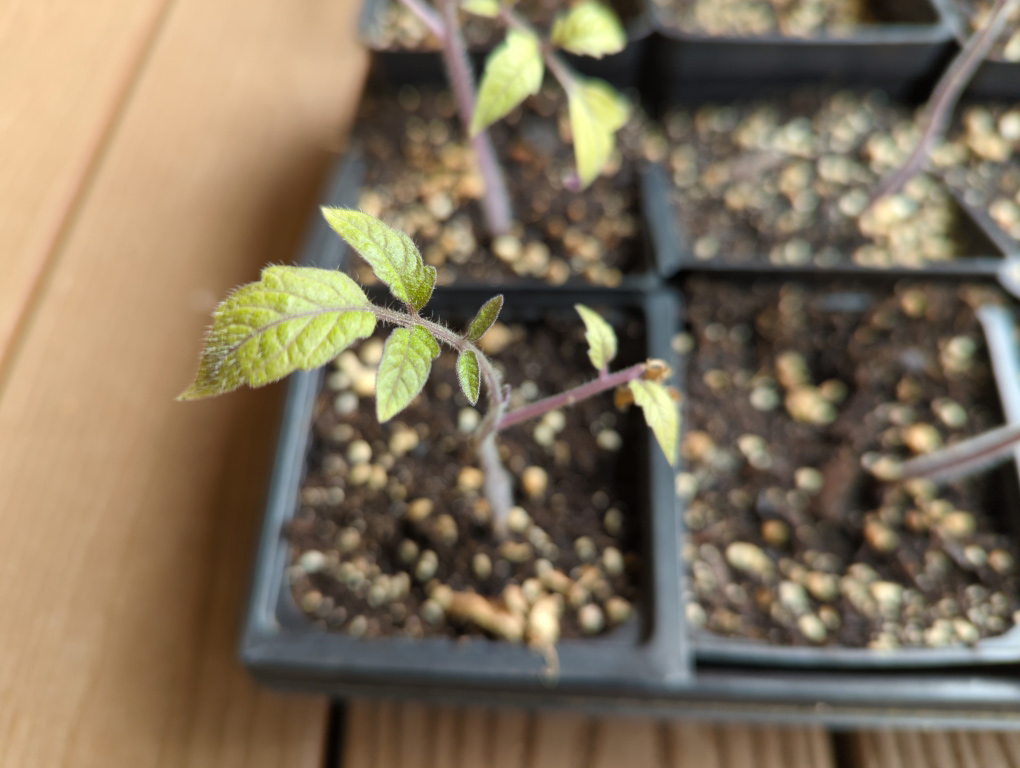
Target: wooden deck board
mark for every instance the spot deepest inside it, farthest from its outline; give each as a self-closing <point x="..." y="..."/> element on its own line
<point x="909" y="749"/>
<point x="452" y="737"/>
<point x="128" y="519"/>
<point x="65" y="71"/>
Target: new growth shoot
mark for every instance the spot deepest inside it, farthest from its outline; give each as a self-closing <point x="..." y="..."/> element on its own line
<point x="514" y="71"/>
<point x="300" y="318"/>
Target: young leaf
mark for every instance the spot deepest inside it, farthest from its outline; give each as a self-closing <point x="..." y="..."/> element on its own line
<point x="467" y="373"/>
<point x="660" y="412"/>
<point x="292" y="318"/>
<point x="392" y="255"/>
<point x="600" y="337"/>
<point x="484" y="319"/>
<point x="589" y="29"/>
<point x="487" y="8"/>
<point x="513" y="72"/>
<point x="596" y="113"/>
<point x="403" y="370"/>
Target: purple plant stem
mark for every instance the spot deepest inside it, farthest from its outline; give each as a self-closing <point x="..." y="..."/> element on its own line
<point x="446" y="27"/>
<point x="969" y="457"/>
<point x="571" y="396"/>
<point x="495" y="200"/>
<point x="946" y="94"/>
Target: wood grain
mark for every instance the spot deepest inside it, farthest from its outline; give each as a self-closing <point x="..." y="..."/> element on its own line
<point x="907" y="749"/>
<point x="451" y="737"/>
<point x="128" y="518"/>
<point x="65" y="71"/>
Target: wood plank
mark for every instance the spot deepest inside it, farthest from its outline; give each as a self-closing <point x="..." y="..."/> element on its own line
<point x="964" y="749"/>
<point x="518" y="739"/>
<point x="563" y="738"/>
<point x="65" y="70"/>
<point x="128" y="519"/>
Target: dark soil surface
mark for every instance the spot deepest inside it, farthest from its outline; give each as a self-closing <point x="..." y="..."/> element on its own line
<point x="392" y="514"/>
<point x="789" y="18"/>
<point x="401" y="30"/>
<point x="422" y="180"/>
<point x="790" y="181"/>
<point x="980" y="160"/>
<point x="792" y="393"/>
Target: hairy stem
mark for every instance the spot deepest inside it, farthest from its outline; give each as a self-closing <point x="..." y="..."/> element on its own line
<point x="571" y="396"/>
<point x="493" y="382"/>
<point x="946" y="94"/>
<point x="495" y="200"/>
<point x="427" y="16"/>
<point x="498" y="485"/>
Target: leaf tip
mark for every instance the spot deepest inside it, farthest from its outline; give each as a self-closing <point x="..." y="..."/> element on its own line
<point x="194" y="392"/>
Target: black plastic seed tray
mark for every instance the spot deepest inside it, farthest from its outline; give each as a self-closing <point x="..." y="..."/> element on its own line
<point x="283" y="649"/>
<point x="400" y="67"/>
<point x="281" y="646"/>
<point x="345" y="184"/>
<point x="998" y="326"/>
<point x="902" y="56"/>
<point x="671" y="247"/>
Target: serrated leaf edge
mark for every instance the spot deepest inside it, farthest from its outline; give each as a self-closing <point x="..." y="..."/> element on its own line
<point x="384" y="407"/>
<point x="218" y="354"/>
<point x="475" y="330"/>
<point x="400" y="285"/>
<point x="470" y="388"/>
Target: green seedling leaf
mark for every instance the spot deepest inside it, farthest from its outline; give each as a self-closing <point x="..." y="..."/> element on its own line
<point x="292" y="318"/>
<point x="403" y="370"/>
<point x="660" y="412"/>
<point x="467" y="373"/>
<point x="392" y="255"/>
<point x="596" y="112"/>
<point x="487" y="8"/>
<point x="484" y="319"/>
<point x="589" y="29"/>
<point x="513" y="72"/>
<point x="600" y="336"/>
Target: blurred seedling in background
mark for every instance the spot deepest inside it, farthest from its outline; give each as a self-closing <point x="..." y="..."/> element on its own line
<point x="973" y="456"/>
<point x="934" y="119"/>
<point x="515" y="69"/>
<point x="303" y="317"/>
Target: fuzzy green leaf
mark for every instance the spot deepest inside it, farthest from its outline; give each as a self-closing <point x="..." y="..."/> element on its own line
<point x="513" y="72"/>
<point x="403" y="370"/>
<point x="467" y="373"/>
<point x="292" y="318"/>
<point x="661" y="414"/>
<point x="589" y="29"/>
<point x="596" y="113"/>
<point x="484" y="319"/>
<point x="487" y="8"/>
<point x="393" y="256"/>
<point x="600" y="336"/>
